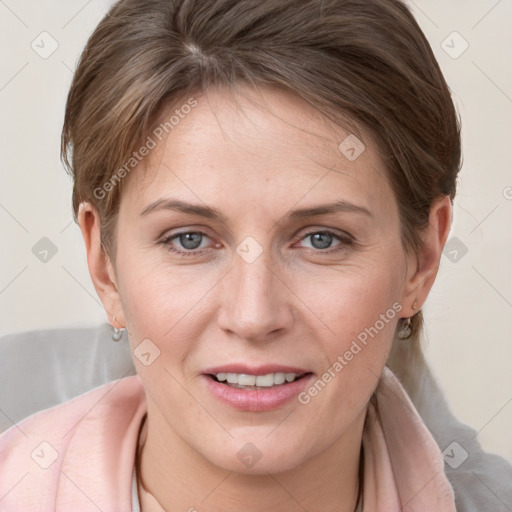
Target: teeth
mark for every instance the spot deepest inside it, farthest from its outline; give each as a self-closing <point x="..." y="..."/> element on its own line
<point x="264" y="381"/>
<point x="247" y="380"/>
<point x="232" y="378"/>
<point x="280" y="378"/>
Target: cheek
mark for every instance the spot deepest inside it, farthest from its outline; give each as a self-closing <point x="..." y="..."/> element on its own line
<point x="163" y="304"/>
<point x="349" y="300"/>
<point x="358" y="311"/>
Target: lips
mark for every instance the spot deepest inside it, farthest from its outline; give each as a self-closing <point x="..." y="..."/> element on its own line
<point x="260" y="388"/>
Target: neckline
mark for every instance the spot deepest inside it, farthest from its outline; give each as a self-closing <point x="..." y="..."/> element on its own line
<point x="135" y="492"/>
<point x="136" y="473"/>
<point x="136" y="468"/>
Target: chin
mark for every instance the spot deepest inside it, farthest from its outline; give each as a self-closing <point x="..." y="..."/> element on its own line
<point x="259" y="456"/>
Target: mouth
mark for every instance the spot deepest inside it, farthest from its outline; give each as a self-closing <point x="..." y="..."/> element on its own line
<point x="257" y="382"/>
<point x="256" y="389"/>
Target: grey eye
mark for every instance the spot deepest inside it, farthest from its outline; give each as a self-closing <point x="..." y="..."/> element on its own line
<point x="190" y="240"/>
<point x="320" y="240"/>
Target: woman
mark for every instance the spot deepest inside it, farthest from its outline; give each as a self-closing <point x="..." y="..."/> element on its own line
<point x="264" y="190"/>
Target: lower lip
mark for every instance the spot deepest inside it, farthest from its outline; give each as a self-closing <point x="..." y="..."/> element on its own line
<point x="264" y="399"/>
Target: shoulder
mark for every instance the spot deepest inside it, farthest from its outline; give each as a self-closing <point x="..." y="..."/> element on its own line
<point x="72" y="452"/>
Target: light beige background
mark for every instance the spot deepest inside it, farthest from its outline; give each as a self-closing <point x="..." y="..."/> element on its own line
<point x="469" y="312"/>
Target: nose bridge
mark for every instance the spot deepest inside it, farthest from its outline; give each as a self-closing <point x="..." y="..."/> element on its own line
<point x="256" y="302"/>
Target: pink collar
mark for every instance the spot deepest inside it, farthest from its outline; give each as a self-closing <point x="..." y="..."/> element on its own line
<point x="80" y="455"/>
<point x="404" y="468"/>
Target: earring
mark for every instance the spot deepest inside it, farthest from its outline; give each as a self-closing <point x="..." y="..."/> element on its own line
<point x="118" y="333"/>
<point x="406" y="327"/>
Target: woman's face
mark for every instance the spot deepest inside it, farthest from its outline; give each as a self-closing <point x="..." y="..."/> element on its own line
<point x="249" y="243"/>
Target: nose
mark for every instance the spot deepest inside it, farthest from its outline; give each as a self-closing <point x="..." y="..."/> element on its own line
<point x="256" y="303"/>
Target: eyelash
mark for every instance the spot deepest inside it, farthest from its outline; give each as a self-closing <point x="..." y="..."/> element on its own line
<point x="346" y="242"/>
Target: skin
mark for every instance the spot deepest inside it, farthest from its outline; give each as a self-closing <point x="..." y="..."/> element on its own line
<point x="255" y="157"/>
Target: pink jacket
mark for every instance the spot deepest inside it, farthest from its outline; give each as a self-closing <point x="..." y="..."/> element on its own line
<point x="79" y="456"/>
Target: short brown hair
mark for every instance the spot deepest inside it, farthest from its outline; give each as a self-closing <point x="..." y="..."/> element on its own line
<point x="363" y="63"/>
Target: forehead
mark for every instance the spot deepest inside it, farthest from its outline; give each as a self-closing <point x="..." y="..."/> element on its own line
<point x="248" y="142"/>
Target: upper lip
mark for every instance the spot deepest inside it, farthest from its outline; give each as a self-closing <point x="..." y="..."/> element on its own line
<point x="255" y="370"/>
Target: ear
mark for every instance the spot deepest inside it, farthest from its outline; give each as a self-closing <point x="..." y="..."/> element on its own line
<point x="422" y="268"/>
<point x="100" y="267"/>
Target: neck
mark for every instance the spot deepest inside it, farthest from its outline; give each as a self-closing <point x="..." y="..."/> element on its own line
<point x="173" y="476"/>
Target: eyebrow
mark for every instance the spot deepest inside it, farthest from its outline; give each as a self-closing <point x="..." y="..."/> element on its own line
<point x="212" y="213"/>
